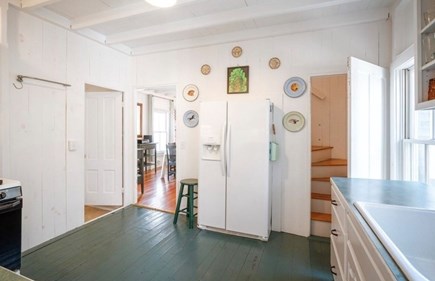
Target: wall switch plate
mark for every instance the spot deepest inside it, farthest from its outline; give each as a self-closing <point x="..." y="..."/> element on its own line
<point x="72" y="145"/>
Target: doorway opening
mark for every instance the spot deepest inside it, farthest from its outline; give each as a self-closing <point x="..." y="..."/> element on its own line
<point x="328" y="145"/>
<point x="103" y="151"/>
<point x="156" y="147"/>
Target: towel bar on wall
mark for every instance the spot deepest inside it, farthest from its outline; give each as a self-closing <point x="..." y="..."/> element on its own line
<point x="21" y="77"/>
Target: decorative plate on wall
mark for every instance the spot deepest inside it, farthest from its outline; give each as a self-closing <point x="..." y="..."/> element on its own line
<point x="205" y="69"/>
<point x="191" y="118"/>
<point x="294" y="87"/>
<point x="293" y="121"/>
<point x="236" y="51"/>
<point x="190" y="92"/>
<point x="274" y="63"/>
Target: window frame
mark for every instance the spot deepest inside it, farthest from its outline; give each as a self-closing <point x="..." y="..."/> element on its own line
<point x="398" y="130"/>
<point x="402" y="123"/>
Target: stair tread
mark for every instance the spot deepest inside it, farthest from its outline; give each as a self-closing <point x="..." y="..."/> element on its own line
<point x="321" y="196"/>
<point x="331" y="162"/>
<point x="320" y="217"/>
<point x="317" y="148"/>
<point x="321" y="179"/>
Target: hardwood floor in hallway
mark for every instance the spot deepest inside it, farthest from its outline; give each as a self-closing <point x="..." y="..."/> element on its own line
<point x="93" y="213"/>
<point x="158" y="193"/>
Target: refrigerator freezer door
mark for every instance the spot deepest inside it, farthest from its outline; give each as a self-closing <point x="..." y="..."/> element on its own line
<point x="211" y="180"/>
<point x="248" y="196"/>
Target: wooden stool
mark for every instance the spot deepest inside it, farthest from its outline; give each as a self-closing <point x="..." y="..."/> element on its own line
<point x="190" y="183"/>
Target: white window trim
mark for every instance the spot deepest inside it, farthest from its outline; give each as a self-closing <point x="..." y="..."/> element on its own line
<point x="399" y="134"/>
<point x="403" y="61"/>
<point x="426" y="142"/>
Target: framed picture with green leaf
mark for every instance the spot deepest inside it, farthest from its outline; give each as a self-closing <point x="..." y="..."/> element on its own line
<point x="238" y="80"/>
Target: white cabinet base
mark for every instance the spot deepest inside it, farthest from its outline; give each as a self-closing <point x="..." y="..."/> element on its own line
<point x="352" y="252"/>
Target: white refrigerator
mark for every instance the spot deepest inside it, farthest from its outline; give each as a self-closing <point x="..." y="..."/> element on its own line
<point x="234" y="194"/>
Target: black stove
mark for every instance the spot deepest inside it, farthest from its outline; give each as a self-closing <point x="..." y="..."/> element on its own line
<point x="11" y="204"/>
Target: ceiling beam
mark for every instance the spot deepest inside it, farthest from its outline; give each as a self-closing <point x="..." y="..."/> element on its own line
<point x="117" y="14"/>
<point x="56" y="19"/>
<point x="223" y="18"/>
<point x="50" y="16"/>
<point x="111" y="15"/>
<point x="266" y="32"/>
<point x="27" y="4"/>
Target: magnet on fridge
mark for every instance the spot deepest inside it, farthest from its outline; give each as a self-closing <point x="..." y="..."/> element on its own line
<point x="273" y="151"/>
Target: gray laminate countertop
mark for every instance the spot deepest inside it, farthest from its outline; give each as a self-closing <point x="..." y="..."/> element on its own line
<point x="391" y="192"/>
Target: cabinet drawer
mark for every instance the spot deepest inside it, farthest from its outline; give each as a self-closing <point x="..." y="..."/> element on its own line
<point x="337" y="205"/>
<point x="338" y="238"/>
<point x="336" y="268"/>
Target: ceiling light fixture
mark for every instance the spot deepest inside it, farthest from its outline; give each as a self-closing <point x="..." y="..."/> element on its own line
<point x="162" y="3"/>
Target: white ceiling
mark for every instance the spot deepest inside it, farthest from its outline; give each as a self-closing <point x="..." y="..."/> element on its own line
<point x="134" y="27"/>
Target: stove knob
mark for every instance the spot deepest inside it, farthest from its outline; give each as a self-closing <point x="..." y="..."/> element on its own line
<point x="2" y="195"/>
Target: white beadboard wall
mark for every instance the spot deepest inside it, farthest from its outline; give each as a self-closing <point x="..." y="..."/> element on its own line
<point x="404" y="26"/>
<point x="329" y="115"/>
<point x="40" y="49"/>
<point x="4" y="74"/>
<point x="54" y="194"/>
<point x="303" y="54"/>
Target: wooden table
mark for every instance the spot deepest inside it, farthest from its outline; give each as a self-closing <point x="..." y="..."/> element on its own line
<point x="150" y="154"/>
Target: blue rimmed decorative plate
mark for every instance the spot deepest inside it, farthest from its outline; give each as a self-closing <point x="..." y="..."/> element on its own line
<point x="294" y="87"/>
<point x="293" y="121"/>
<point x="191" y="118"/>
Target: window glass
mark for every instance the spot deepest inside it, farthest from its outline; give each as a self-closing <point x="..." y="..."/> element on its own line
<point x="414" y="162"/>
<point x="431" y="164"/>
<point x="160" y="129"/>
<point x="423" y="125"/>
<point x="413" y="137"/>
<point x="160" y="121"/>
<point x="161" y="139"/>
<point x="418" y="157"/>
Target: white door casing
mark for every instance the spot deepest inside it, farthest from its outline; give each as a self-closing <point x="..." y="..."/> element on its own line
<point x="368" y="111"/>
<point x="103" y="149"/>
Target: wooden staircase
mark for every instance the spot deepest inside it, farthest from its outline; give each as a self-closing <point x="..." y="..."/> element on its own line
<point x="323" y="167"/>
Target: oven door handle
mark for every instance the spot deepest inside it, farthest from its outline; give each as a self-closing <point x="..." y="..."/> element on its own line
<point x="10" y="205"/>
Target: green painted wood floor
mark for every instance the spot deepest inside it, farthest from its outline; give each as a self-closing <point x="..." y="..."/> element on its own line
<point x="141" y="244"/>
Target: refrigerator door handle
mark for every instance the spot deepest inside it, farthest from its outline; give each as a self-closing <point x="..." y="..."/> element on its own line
<point x="227" y="150"/>
<point x="222" y="149"/>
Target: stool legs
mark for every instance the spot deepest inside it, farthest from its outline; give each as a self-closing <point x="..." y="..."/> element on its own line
<point x="189" y="210"/>
<point x="177" y="209"/>
<point x="190" y="206"/>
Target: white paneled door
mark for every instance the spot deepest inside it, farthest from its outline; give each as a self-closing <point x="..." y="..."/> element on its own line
<point x="368" y="111"/>
<point x="103" y="149"/>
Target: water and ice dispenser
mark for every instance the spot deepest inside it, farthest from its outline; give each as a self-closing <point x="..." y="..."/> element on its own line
<point x="211" y="144"/>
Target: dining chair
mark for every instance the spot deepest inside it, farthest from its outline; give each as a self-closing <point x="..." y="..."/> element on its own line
<point x="140" y="168"/>
<point x="171" y="159"/>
